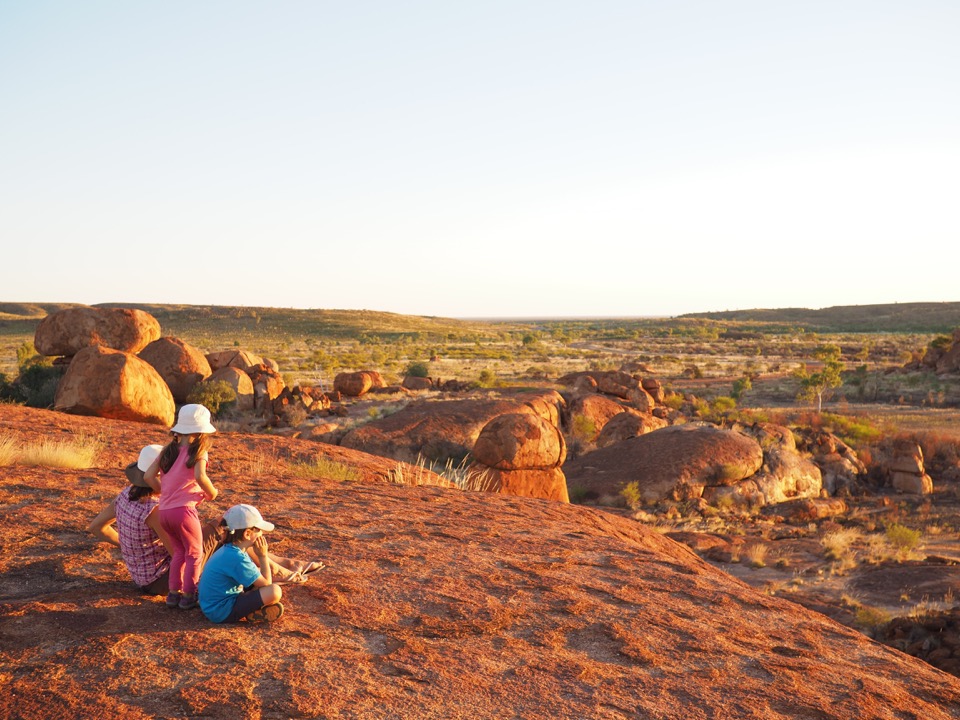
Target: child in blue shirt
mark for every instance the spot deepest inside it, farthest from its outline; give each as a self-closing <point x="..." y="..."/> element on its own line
<point x="232" y="587"/>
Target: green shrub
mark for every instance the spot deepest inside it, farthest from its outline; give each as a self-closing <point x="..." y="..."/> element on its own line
<point x="216" y="395"/>
<point x="488" y="378"/>
<point x="417" y="369"/>
<point x="584" y="428"/>
<point x="631" y="494"/>
<point x="904" y="539"/>
<point x="36" y="386"/>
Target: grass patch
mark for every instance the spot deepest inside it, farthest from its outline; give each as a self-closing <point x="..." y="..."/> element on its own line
<point x="77" y="454"/>
<point x="8" y="451"/>
<point x="321" y="468"/>
<point x="754" y="555"/>
<point x="837" y="545"/>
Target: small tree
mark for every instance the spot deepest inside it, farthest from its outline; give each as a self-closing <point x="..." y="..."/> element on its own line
<point x="815" y="385"/>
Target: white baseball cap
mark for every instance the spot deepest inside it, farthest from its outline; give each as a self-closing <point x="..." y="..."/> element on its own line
<point x="136" y="470"/>
<point x="241" y="517"/>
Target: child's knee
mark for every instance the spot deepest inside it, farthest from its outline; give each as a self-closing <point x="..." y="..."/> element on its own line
<point x="272" y="594"/>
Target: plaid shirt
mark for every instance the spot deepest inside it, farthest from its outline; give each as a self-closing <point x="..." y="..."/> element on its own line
<point x="144" y="555"/>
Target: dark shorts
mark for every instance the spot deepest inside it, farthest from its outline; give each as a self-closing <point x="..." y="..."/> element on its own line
<point x="247" y="602"/>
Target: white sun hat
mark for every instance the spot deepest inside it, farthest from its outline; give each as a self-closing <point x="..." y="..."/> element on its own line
<point x="241" y="517"/>
<point x="193" y="419"/>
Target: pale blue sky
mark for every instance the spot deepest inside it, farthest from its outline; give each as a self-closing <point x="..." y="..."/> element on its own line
<point x="495" y="158"/>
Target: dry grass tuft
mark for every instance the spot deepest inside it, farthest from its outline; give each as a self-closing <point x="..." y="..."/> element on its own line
<point x="8" y="451"/>
<point x="755" y="554"/>
<point x="77" y="454"/>
<point x="837" y="545"/>
<point x="321" y="468"/>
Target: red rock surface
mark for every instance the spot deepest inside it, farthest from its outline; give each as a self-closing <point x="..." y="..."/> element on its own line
<point x="436" y="604"/>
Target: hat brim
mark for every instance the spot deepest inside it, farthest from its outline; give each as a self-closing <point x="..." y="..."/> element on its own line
<point x="265" y="526"/>
<point x="135" y="475"/>
<point x="188" y="429"/>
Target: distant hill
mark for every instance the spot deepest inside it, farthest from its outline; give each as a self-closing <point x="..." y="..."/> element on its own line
<point x="940" y="317"/>
<point x="199" y="319"/>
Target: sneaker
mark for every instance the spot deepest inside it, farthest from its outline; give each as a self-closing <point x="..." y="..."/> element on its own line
<point x="188" y="601"/>
<point x="173" y="599"/>
<point x="268" y="613"/>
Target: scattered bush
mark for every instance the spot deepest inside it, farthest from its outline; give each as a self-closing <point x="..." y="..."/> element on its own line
<point x="631" y="494"/>
<point x="903" y="539"/>
<point x="837" y="544"/>
<point x="216" y="396"/>
<point x="417" y="369"/>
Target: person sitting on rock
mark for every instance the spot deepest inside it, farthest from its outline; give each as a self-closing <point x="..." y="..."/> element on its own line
<point x="232" y="587"/>
<point x="131" y="523"/>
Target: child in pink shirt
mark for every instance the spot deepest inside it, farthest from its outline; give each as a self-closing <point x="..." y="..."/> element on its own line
<point x="183" y="483"/>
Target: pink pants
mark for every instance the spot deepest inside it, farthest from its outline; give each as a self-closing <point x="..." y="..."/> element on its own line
<point x="186" y="538"/>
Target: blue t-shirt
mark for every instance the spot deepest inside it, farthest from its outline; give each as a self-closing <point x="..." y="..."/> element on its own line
<point x="225" y="575"/>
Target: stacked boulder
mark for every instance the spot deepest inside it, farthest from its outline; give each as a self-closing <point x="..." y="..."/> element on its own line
<point x="114" y="384"/>
<point x="907" y="473"/>
<point x="181" y="365"/>
<point x="520" y="454"/>
<point x="104" y="376"/>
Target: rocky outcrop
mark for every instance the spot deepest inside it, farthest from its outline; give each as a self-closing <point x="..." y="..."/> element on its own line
<point x="181" y="365"/>
<point x="677" y="463"/>
<point x="588" y="414"/>
<point x="69" y="331"/>
<point x="267" y="385"/>
<point x="520" y="454"/>
<point x="435" y="604"/>
<point x="441" y="430"/>
<point x="839" y="465"/>
<point x="626" y="425"/>
<point x="907" y="473"/>
<point x="114" y="384"/>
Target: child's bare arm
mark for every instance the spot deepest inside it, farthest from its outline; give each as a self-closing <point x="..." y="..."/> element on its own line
<point x="102" y="525"/>
<point x="152" y="475"/>
<point x="200" y="474"/>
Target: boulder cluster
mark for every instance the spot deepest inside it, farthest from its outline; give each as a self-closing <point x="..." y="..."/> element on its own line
<point x="625" y="442"/>
<point x="118" y="366"/>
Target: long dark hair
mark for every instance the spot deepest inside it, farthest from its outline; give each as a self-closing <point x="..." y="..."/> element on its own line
<point x="136" y="492"/>
<point x="199" y="444"/>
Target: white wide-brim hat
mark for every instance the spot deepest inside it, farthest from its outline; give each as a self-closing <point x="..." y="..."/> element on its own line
<point x="193" y="419"/>
<point x="241" y="517"/>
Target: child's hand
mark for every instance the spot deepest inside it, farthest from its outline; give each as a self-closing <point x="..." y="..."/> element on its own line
<point x="260" y="545"/>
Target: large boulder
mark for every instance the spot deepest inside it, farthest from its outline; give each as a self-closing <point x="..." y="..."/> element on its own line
<point x="626" y="425"/>
<point x="548" y="484"/>
<point x="233" y="358"/>
<point x="675" y="463"/>
<point x="355" y="384"/>
<point x="839" y="464"/>
<point x="521" y="454"/>
<point x="592" y="412"/>
<point x="67" y="332"/>
<point x="440" y="430"/>
<point x="240" y="382"/>
<point x="114" y="384"/>
<point x="181" y="365"/>
<point x="520" y="441"/>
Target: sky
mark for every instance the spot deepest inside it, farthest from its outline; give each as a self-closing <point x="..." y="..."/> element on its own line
<point x="488" y="159"/>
